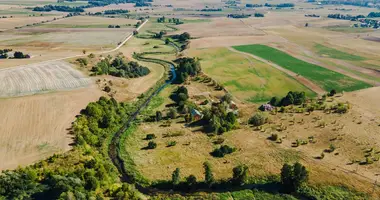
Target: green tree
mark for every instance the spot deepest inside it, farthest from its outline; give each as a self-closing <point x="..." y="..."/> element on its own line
<point x="240" y="174"/>
<point x="292" y="177"/>
<point x="191" y="181"/>
<point x="209" y="176"/>
<point x="258" y="119"/>
<point x="176" y="177"/>
<point x="158" y="116"/>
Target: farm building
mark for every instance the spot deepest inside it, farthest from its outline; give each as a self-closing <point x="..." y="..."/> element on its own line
<point x="196" y="115"/>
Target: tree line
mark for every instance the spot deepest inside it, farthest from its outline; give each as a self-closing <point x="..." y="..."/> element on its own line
<point x="186" y="67"/>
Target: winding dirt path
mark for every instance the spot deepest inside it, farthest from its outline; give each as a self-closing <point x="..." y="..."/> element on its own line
<point x="299" y="78"/>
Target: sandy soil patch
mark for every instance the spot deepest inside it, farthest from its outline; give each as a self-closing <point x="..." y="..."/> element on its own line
<point x="35" y="127"/>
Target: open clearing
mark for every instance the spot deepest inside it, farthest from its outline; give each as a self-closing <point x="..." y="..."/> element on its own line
<point x="34" y="127"/>
<point x="327" y="79"/>
<point x="42" y="77"/>
<point x="246" y="78"/>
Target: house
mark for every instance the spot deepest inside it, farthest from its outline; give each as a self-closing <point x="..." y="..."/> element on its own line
<point x="233" y="106"/>
<point x="196" y="115"/>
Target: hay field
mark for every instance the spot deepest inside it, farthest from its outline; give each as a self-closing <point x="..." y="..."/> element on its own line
<point x="325" y="78"/>
<point x="11" y="23"/>
<point x="35" y="127"/>
<point x="37" y="78"/>
<point x="246" y="78"/>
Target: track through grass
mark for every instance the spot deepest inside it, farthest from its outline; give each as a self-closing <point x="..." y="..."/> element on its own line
<point x="325" y="78"/>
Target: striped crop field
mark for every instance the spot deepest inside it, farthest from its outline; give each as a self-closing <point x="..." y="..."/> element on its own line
<point x="323" y="77"/>
<point x="39" y="78"/>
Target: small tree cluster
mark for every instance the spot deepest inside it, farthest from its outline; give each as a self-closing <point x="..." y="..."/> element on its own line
<point x="292" y="98"/>
<point x="187" y="67"/>
<point x="222" y="151"/>
<point x="258" y="119"/>
<point x="293" y="176"/>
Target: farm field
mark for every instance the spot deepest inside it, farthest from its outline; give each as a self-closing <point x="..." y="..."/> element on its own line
<point x="246" y="78"/>
<point x="46" y="77"/>
<point x="327" y="79"/>
<point x="35" y="127"/>
<point x="90" y="22"/>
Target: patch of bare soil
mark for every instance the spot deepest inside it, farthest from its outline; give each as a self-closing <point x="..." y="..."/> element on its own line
<point x="35" y="127"/>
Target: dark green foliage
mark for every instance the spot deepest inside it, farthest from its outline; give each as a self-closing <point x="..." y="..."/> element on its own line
<point x="4" y="53"/>
<point x="150" y="137"/>
<point x="332" y="93"/>
<point x="292" y="98"/>
<point x="49" y="8"/>
<point x="20" y="55"/>
<point x="187" y="67"/>
<point x="82" y="61"/>
<point x="171" y="143"/>
<point x="120" y="68"/>
<point x="240" y="174"/>
<point x="159" y="35"/>
<point x="217" y="120"/>
<point x="222" y="151"/>
<point x="258" y="119"/>
<point x="115" y="12"/>
<point x="373" y="14"/>
<point x="107" y="89"/>
<point x="158" y="116"/>
<point x="151" y="145"/>
<point x="259" y="15"/>
<point x="293" y="176"/>
<point x="209" y="176"/>
<point x="176" y="177"/>
<point x="191" y="182"/>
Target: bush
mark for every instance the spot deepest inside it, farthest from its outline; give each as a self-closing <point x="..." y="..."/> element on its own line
<point x="107" y="89"/>
<point x="151" y="145"/>
<point x="293" y="176"/>
<point x="240" y="174"/>
<point x="172" y="114"/>
<point x="150" y="136"/>
<point x="219" y="140"/>
<point x="258" y="119"/>
<point x="332" y="93"/>
<point x="171" y="143"/>
<point x="273" y="137"/>
<point x="222" y="151"/>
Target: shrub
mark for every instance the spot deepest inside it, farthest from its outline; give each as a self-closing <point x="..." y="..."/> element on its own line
<point x="332" y="93"/>
<point x="273" y="137"/>
<point x="152" y="145"/>
<point x="107" y="89"/>
<point x="219" y="140"/>
<point x="150" y="136"/>
<point x="222" y="151"/>
<point x="293" y="176"/>
<point x="176" y="176"/>
<point x="191" y="181"/>
<point x="171" y="143"/>
<point x="240" y="174"/>
<point x="172" y="113"/>
<point x="258" y="119"/>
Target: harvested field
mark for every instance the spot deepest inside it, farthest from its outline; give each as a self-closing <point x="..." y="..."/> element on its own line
<point x="89" y="22"/>
<point x="41" y="77"/>
<point x="326" y="78"/>
<point x="35" y="127"/>
<point x="11" y="23"/>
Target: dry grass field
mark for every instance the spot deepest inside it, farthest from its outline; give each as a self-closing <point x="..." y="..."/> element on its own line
<point x="39" y="78"/>
<point x="35" y="127"/>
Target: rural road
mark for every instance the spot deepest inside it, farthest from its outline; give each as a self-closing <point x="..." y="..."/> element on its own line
<point x="299" y="78"/>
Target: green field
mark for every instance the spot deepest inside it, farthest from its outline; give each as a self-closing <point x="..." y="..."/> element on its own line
<point x="246" y="78"/>
<point x="334" y="53"/>
<point x="325" y="78"/>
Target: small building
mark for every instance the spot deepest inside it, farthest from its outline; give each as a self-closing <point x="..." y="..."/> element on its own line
<point x="196" y="115"/>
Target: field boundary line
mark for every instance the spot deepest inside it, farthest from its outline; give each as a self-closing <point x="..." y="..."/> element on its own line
<point x="306" y="82"/>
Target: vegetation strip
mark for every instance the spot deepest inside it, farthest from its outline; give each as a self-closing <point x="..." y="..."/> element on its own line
<point x="327" y="79"/>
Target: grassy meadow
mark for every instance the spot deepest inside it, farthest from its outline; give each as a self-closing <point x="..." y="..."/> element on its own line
<point x="325" y="78"/>
<point x="246" y="78"/>
<point x="334" y="53"/>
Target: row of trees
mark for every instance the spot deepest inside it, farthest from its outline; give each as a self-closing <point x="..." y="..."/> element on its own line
<point x="119" y="67"/>
<point x="293" y="177"/>
<point x="281" y="5"/>
<point x="346" y="17"/>
<point x="49" y="8"/>
<point x="115" y="12"/>
<point x="16" y="54"/>
<point x="292" y="98"/>
<point x="84" y="172"/>
<point x="374" y="14"/>
<point x="163" y="19"/>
